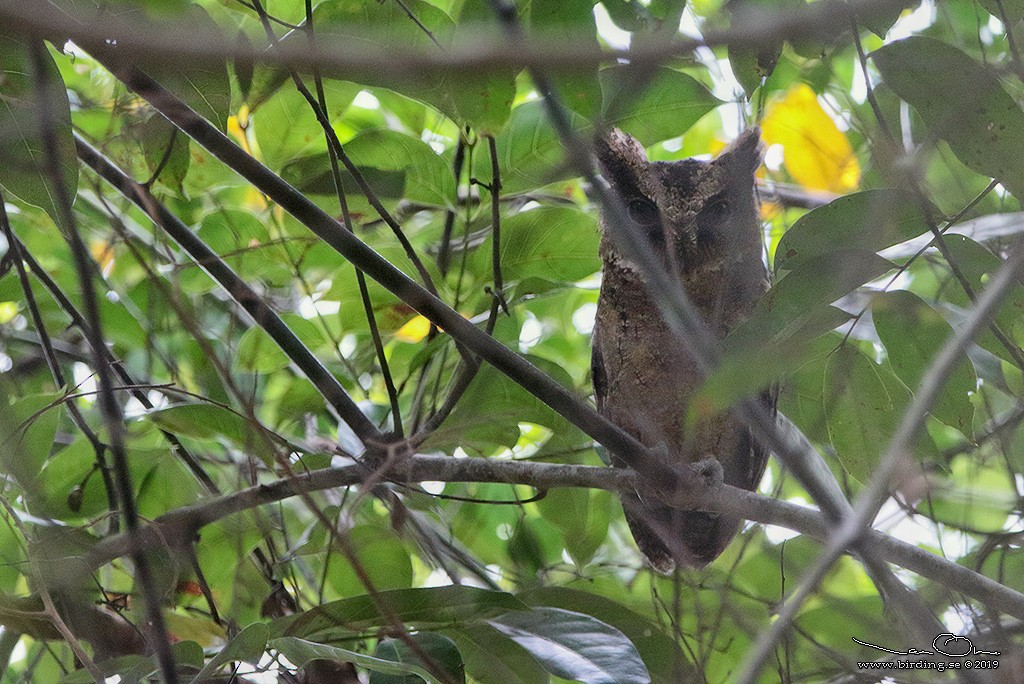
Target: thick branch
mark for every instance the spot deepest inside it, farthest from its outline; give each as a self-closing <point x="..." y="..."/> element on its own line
<point x="238" y="289"/>
<point x="180" y="527"/>
<point x="157" y="43"/>
<point x="562" y="400"/>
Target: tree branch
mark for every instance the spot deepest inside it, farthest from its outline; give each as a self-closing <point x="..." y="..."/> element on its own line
<point x="146" y="42"/>
<point x="180" y="526"/>
<point x="562" y="400"/>
<point x="246" y="298"/>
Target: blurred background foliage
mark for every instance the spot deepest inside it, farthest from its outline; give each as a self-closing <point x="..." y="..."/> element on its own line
<point x="858" y="167"/>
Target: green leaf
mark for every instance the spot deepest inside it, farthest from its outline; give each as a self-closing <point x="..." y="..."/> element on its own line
<point x="1004" y="10"/>
<point x="628" y="15"/>
<point x="259" y="353"/>
<point x="800" y="298"/>
<point x="489" y="414"/>
<point x="300" y="652"/>
<point x="23" y="172"/>
<point x="286" y="127"/>
<point x="424" y="608"/>
<point x="165" y="148"/>
<point x="660" y="653"/>
<point x="443" y="654"/>
<point x="975" y="496"/>
<point x="247" y="646"/>
<point x="382" y="556"/>
<point x="490" y="658"/>
<point x="667" y="106"/>
<point x="913" y="333"/>
<point x="574" y="646"/>
<point x="428" y="177"/>
<point x="861" y="410"/>
<point x="581" y="516"/>
<point x="27" y="430"/>
<point x="207" y="421"/>
<point x="962" y="102"/>
<point x="751" y="63"/>
<point x="976" y="264"/>
<point x="870" y="220"/>
<point x="580" y="91"/>
<point x="1004" y="564"/>
<point x="312" y="175"/>
<point x="556" y="243"/>
<point x="207" y="88"/>
<point x="481" y="99"/>
<point x="529" y="151"/>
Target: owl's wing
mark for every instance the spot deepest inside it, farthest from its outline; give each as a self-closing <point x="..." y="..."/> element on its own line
<point x="747" y="466"/>
<point x="598" y="374"/>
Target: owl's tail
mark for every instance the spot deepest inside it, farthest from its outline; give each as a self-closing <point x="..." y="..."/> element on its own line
<point x="671" y="538"/>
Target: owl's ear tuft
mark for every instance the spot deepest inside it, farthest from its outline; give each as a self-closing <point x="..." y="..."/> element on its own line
<point x="745" y="153"/>
<point x="622" y="158"/>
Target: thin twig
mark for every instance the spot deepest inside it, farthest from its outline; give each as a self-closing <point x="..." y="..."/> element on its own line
<point x="445" y="251"/>
<point x="856" y="526"/>
<point x="470" y="367"/>
<point x="180" y="525"/>
<point x="110" y="409"/>
<point x="141" y="42"/>
<point x="233" y="285"/>
<point x="99" y="449"/>
<point x="464" y="332"/>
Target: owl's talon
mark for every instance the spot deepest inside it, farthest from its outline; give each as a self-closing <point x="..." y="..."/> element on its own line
<point x="709" y="470"/>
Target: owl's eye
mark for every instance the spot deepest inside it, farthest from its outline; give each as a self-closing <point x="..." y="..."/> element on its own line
<point x="711" y="218"/>
<point x="647" y="216"/>
<point x="643" y="211"/>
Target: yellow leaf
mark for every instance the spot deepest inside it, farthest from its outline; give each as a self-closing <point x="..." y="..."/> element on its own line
<point x="8" y="310"/>
<point x="203" y="631"/>
<point x="815" y="152"/>
<point x="414" y="330"/>
<point x="103" y="254"/>
<point x="770" y="210"/>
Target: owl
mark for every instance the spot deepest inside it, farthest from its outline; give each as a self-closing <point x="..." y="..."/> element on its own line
<point x="701" y="219"/>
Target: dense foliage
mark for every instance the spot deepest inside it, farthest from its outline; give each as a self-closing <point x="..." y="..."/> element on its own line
<point x="895" y="159"/>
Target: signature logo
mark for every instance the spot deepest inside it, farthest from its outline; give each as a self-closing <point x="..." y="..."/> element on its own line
<point x="947" y="644"/>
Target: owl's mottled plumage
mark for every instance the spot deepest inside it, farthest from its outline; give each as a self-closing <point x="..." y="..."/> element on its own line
<point x="701" y="219"/>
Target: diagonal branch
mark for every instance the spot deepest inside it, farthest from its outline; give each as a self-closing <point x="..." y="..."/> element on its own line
<point x="110" y="410"/>
<point x="856" y="526"/>
<point x="559" y="398"/>
<point x="238" y="289"/>
<point x="684" y="320"/>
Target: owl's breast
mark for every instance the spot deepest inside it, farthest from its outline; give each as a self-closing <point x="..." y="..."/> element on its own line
<point x="645" y="379"/>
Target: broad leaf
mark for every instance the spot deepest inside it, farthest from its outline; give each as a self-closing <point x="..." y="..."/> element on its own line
<point x="666" y="106"/>
<point x="962" y="102"/>
<point x="24" y="173"/>
<point x="913" y="334"/>
<point x="574" y="646"/>
<point x="870" y="220"/>
<point x="437" y="606"/>
<point x="300" y="652"/>
<point x="443" y="654"/>
<point x="248" y="646"/>
<point x="555" y="243"/>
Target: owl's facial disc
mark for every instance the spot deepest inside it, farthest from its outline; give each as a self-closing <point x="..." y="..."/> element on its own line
<point x="686" y="210"/>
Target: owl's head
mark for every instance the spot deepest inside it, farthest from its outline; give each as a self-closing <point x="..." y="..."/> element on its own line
<point x="699" y="216"/>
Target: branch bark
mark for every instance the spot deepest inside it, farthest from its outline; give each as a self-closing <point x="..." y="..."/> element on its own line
<point x="179" y="527"/>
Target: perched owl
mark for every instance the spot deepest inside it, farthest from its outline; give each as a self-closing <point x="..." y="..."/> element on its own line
<point x="700" y="217"/>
